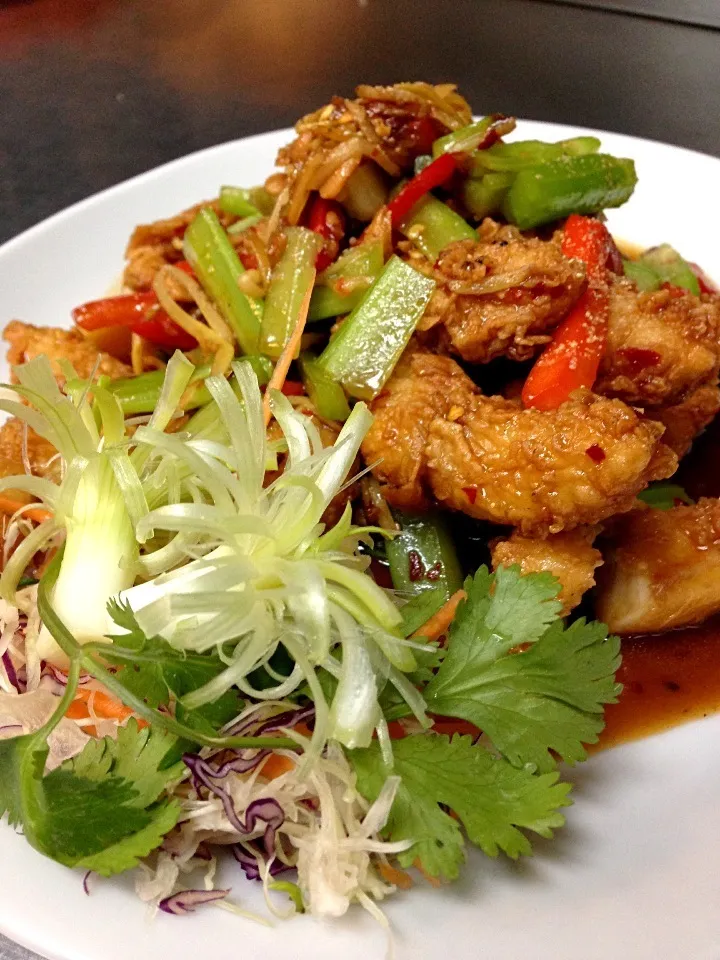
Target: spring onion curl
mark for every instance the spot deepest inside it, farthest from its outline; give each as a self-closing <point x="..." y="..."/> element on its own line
<point x="96" y="503"/>
<point x="261" y="573"/>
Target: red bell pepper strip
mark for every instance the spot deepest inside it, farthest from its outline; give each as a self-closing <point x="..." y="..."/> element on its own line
<point x="431" y="176"/>
<point x="292" y="388"/>
<point x="572" y="359"/>
<point x="138" y="311"/>
<point x="327" y="218"/>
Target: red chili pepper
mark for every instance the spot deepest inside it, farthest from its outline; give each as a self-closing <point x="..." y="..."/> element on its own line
<point x="572" y="359"/>
<point x="327" y="218"/>
<point x="293" y="388"/>
<point x="138" y="311"/>
<point x="431" y="176"/>
<point x="704" y="281"/>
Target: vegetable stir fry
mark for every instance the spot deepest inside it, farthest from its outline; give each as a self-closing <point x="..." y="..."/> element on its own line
<point x="296" y="525"/>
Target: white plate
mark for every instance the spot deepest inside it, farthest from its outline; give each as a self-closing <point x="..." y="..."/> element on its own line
<point x="635" y="875"/>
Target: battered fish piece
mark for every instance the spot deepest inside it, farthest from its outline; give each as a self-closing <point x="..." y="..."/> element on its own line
<point x="501" y="295"/>
<point x="423" y="386"/>
<point x="661" y="346"/>
<point x="27" y="342"/>
<point x="545" y="471"/>
<point x="570" y="557"/>
<point x="685" y="420"/>
<point x="41" y="454"/>
<point x="662" y="569"/>
<point x="390" y="125"/>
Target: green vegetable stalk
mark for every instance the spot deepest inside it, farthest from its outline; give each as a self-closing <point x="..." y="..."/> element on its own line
<point x="584" y="184"/>
<point x="291" y="279"/>
<point x="236" y="200"/>
<point x="364" y="351"/>
<point x="326" y="394"/>
<point x="432" y="225"/>
<point x="661" y="265"/>
<point x="217" y="266"/>
<point x="516" y="156"/>
<point x="363" y="262"/>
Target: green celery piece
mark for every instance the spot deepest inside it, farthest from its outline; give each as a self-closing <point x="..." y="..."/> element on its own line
<point x="365" y="260"/>
<point x="664" y="496"/>
<point x="671" y="268"/>
<point x="642" y="274"/>
<point x="515" y="156"/>
<point x="364" y="351"/>
<point x="236" y="200"/>
<point x="432" y="225"/>
<point x="217" y="266"/>
<point x="140" y="394"/>
<point x="326" y="394"/>
<point x="240" y="226"/>
<point x="422" y="556"/>
<point x="288" y="287"/>
<point x="554" y="190"/>
<point x="264" y="201"/>
<point x="365" y="192"/>
<point x="463" y="140"/>
<point x="543" y="702"/>
<point x="484" y="197"/>
<point x="494" y="801"/>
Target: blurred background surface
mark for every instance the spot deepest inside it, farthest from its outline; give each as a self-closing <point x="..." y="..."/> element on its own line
<point x="94" y="91"/>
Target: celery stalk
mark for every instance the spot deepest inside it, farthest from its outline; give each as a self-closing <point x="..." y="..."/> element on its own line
<point x="462" y="140"/>
<point x="551" y="191"/>
<point x="423" y="557"/>
<point x="236" y="200"/>
<point x="365" y="260"/>
<point x="140" y="394"/>
<point x="484" y="197"/>
<point x="670" y="267"/>
<point x="365" y="192"/>
<point x="364" y="351"/>
<point x="289" y="285"/>
<point x="515" y="156"/>
<point x="217" y="266"/>
<point x="326" y="394"/>
<point x="432" y="225"/>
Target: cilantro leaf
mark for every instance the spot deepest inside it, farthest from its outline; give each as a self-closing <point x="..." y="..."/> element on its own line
<point x="494" y="801"/>
<point x="158" y="673"/>
<point x="100" y="809"/>
<point x="515" y="671"/>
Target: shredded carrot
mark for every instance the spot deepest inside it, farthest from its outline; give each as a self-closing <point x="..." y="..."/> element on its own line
<point x="104" y="706"/>
<point x="38" y="514"/>
<point x="288" y="355"/>
<point x="433" y="881"/>
<point x="276" y="765"/>
<point x="391" y="874"/>
<point x="439" y="622"/>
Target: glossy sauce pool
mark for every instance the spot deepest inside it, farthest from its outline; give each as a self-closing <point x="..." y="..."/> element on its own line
<point x="670" y="678"/>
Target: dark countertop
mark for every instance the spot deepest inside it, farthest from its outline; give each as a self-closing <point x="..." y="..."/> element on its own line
<point x="94" y="91"/>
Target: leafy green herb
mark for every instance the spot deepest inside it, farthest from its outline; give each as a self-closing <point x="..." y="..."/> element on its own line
<point x="664" y="496"/>
<point x="515" y="671"/>
<point x="102" y="809"/>
<point x="157" y="673"/>
<point x="494" y="801"/>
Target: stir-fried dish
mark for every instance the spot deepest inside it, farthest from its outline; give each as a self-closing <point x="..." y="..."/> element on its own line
<point x="306" y="529"/>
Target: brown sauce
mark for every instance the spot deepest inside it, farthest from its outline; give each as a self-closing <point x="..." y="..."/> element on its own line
<point x="673" y="677"/>
<point x="667" y="679"/>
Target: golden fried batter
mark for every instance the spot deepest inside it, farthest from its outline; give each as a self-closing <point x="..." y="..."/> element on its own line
<point x="41" y="454"/>
<point x="501" y="295"/>
<point x="422" y="387"/>
<point x="544" y="472"/>
<point x="662" y="569"/>
<point x="27" y="342"/>
<point x="685" y="420"/>
<point x="661" y="345"/>
<point x="570" y="557"/>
